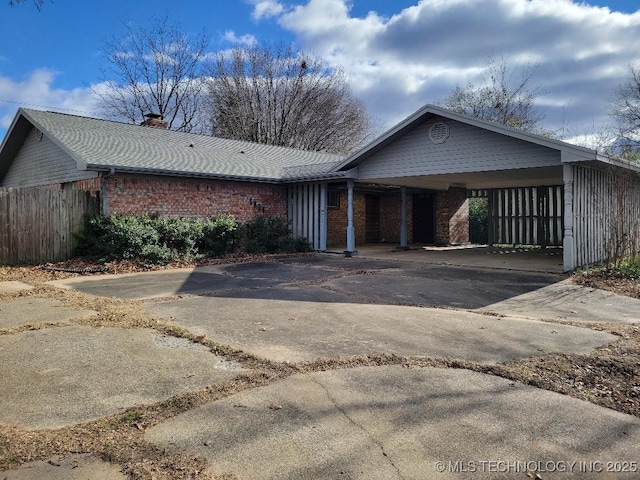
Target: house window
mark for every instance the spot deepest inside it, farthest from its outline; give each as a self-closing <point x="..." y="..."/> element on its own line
<point x="333" y="199"/>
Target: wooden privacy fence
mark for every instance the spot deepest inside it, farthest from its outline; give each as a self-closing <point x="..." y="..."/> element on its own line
<point x="37" y="225"/>
<point x="526" y="216"/>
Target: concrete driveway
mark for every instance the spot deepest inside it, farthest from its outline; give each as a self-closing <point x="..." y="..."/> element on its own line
<point x="361" y="423"/>
<point x="398" y="423"/>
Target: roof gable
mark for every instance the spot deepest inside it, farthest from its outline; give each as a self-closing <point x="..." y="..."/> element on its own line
<point x="462" y="148"/>
<point x="429" y="112"/>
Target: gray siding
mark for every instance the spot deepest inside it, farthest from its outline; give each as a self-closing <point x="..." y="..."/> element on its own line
<point x="42" y="162"/>
<point x="468" y="149"/>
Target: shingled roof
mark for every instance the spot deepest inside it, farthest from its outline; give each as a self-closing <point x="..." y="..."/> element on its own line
<point x="104" y="145"/>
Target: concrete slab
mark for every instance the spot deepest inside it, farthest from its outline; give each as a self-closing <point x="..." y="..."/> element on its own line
<point x="221" y="279"/>
<point x="437" y="285"/>
<point x="386" y="281"/>
<point x="34" y="311"/>
<point x="567" y="301"/>
<point x="56" y="377"/>
<point x="11" y="287"/>
<point x="296" y="330"/>
<point x="69" y="467"/>
<point x="392" y="422"/>
<point x="131" y="285"/>
<point x="534" y="295"/>
<point x="507" y="258"/>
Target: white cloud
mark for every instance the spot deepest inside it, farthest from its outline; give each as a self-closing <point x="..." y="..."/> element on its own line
<point x="266" y="9"/>
<point x="37" y="91"/>
<point x="419" y="54"/>
<point x="397" y="63"/>
<point x="231" y="37"/>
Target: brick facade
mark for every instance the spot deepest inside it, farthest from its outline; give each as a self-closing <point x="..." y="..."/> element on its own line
<point x="189" y="198"/>
<point x="129" y="195"/>
<point x="337" y="221"/>
<point x="391" y="218"/>
<point x="452" y="216"/>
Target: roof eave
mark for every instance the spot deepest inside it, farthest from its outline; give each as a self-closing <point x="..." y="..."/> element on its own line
<point x="618" y="162"/>
<point x="115" y="169"/>
<point x="317" y="178"/>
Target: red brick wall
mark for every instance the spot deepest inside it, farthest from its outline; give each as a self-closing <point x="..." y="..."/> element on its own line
<point x="191" y="198"/>
<point x="337" y="221"/>
<point x="452" y="216"/>
<point x="91" y="184"/>
<point x="337" y="224"/>
<point x="359" y="217"/>
<point x="391" y="217"/>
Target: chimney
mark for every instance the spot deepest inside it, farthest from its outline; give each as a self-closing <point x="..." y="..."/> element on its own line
<point x="155" y="121"/>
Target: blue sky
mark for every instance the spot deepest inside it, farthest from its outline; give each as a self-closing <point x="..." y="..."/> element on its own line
<point x="399" y="55"/>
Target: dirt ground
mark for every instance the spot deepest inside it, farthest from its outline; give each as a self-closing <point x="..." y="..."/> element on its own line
<point x="609" y="376"/>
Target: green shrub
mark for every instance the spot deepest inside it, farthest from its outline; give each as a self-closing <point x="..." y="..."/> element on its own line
<point x="627" y="268"/>
<point x="265" y="234"/>
<point x="157" y="254"/>
<point x="179" y="235"/>
<point x="220" y="236"/>
<point x="297" y="245"/>
<point x="478" y="220"/>
<point x="154" y="239"/>
<point x="117" y="236"/>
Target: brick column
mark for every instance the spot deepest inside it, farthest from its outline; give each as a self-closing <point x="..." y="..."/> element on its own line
<point x="452" y="216"/>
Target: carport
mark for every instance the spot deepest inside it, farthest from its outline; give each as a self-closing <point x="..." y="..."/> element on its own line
<point x="541" y="191"/>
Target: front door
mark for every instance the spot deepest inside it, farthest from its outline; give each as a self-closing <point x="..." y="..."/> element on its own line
<point x="424" y="218"/>
<point x="372" y="218"/>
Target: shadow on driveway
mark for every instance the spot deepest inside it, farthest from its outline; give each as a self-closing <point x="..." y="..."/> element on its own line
<point x="326" y="278"/>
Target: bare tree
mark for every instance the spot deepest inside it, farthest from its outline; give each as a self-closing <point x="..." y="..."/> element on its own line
<point x="278" y="96"/>
<point x="154" y="70"/>
<point x="500" y="98"/>
<point x="625" y="113"/>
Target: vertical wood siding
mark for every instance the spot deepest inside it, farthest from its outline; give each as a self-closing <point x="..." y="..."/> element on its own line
<point x="606" y="213"/>
<point x="37" y="225"/>
<point x="305" y="212"/>
<point x="526" y="216"/>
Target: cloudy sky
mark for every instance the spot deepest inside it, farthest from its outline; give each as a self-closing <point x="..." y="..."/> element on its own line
<point x="398" y="55"/>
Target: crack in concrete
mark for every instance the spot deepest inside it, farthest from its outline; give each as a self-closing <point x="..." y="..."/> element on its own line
<point x="366" y="432"/>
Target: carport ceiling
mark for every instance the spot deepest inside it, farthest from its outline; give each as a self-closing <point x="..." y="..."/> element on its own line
<point x="524" y="177"/>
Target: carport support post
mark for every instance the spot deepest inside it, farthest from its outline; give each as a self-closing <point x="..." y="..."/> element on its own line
<point x="323" y="217"/>
<point x="403" y="219"/>
<point x="568" y="241"/>
<point x="351" y="233"/>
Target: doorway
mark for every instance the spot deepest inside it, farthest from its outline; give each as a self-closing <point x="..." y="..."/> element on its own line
<point x="424" y="220"/>
<point x="372" y="218"/>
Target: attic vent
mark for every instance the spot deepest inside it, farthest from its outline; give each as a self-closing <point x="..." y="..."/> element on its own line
<point x="439" y="132"/>
<point x="39" y="135"/>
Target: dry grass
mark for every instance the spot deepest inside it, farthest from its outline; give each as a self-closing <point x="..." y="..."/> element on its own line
<point x="609" y="376"/>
